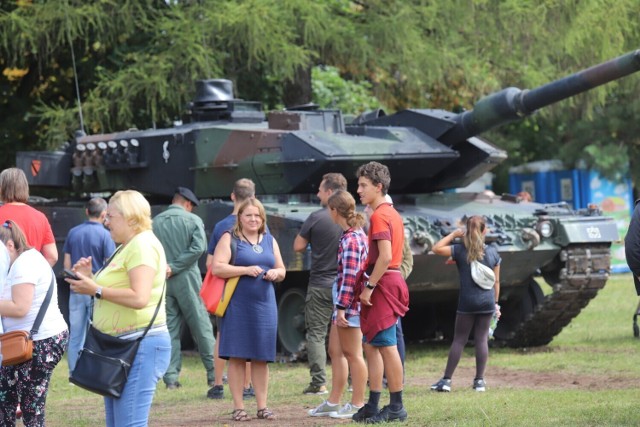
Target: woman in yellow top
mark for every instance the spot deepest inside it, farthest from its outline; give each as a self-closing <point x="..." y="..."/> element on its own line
<point x="127" y="291"/>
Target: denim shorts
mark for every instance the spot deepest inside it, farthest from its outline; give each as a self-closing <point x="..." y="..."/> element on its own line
<point x="354" y="321"/>
<point x="384" y="338"/>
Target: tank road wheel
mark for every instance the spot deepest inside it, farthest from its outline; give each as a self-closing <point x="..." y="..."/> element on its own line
<point x="516" y="311"/>
<point x="291" y="326"/>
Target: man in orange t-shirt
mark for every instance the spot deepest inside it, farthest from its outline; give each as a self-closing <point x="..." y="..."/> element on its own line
<point x="384" y="296"/>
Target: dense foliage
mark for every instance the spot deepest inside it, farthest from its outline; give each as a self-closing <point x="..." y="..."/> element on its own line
<point x="136" y="62"/>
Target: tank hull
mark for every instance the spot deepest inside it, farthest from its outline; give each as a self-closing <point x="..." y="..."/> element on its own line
<point x="434" y="282"/>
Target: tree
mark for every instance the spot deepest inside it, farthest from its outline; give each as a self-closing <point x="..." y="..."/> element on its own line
<point x="136" y="61"/>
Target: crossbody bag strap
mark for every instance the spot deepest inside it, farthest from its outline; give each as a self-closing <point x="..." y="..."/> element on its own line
<point x="155" y="313"/>
<point x="157" y="306"/>
<point x="43" y="307"/>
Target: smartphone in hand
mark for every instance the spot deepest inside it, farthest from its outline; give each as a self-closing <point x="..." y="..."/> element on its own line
<point x="70" y="274"/>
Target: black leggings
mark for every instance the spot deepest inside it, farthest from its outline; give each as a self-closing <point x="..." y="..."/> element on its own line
<point x="464" y="323"/>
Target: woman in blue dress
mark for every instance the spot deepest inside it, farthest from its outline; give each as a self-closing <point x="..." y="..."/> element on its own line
<point x="249" y="327"/>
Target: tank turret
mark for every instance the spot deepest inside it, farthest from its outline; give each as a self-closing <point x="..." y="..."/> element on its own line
<point x="228" y="138"/>
<point x="286" y="153"/>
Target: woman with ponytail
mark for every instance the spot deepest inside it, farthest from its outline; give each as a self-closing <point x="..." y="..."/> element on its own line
<point x="345" y="337"/>
<point x="476" y="305"/>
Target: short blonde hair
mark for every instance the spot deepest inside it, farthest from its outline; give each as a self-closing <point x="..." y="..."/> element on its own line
<point x="134" y="208"/>
<point x="14" y="186"/>
<point x="237" y="230"/>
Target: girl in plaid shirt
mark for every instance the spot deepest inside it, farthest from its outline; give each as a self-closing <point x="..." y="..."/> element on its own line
<point x="345" y="337"/>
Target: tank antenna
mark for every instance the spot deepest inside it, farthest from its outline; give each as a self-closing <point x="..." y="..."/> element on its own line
<point x="75" y="71"/>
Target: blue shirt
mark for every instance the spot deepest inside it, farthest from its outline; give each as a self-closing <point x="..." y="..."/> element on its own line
<point x="89" y="239"/>
<point x="220" y="228"/>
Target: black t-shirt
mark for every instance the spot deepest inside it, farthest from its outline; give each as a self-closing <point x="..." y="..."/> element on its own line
<point x="324" y="236"/>
<point x="473" y="299"/>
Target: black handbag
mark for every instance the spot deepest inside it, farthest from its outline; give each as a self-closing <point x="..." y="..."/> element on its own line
<point x="105" y="361"/>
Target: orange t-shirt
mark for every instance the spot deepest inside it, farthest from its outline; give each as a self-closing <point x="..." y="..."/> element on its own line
<point x="33" y="223"/>
<point x="386" y="224"/>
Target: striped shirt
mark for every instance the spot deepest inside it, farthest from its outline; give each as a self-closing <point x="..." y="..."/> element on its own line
<point x="352" y="257"/>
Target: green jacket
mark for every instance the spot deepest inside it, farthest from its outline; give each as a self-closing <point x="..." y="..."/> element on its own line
<point x="182" y="236"/>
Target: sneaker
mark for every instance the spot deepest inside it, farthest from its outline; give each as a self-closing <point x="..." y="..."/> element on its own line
<point x="314" y="389"/>
<point x="364" y="413"/>
<point x="173" y="386"/>
<point x="386" y="414"/>
<point x="347" y="411"/>
<point x="325" y="409"/>
<point x="225" y="379"/>
<point x="216" y="392"/>
<point x="442" y="385"/>
<point x="479" y="385"/>
<point x="248" y="393"/>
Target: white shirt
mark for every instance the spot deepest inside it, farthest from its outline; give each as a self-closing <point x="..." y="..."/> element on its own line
<point x="32" y="267"/>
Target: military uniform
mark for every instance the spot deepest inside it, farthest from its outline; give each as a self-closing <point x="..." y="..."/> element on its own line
<point x="184" y="241"/>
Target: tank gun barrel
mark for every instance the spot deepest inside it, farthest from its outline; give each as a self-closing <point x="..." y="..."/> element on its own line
<point x="513" y="104"/>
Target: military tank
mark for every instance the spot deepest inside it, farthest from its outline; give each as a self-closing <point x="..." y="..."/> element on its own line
<point x="428" y="152"/>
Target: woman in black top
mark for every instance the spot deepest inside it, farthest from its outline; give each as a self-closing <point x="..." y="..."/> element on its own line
<point x="476" y="305"/>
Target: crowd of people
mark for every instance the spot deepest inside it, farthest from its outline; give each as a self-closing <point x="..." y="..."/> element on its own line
<point x="135" y="276"/>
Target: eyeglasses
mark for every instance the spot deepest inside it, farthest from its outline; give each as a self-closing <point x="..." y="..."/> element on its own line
<point x="109" y="217"/>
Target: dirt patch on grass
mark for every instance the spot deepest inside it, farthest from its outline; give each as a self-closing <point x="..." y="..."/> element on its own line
<point x="520" y="379"/>
<point x="219" y="414"/>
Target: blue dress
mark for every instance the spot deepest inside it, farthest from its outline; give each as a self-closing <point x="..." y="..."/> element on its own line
<point x="249" y="327"/>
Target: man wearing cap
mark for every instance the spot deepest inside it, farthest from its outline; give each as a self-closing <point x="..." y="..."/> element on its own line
<point x="182" y="235"/>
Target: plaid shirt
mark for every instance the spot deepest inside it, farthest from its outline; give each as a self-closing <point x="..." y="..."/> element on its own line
<point x="352" y="257"/>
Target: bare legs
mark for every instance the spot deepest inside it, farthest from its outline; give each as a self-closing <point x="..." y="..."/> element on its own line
<point x="259" y="377"/>
<point x="351" y="342"/>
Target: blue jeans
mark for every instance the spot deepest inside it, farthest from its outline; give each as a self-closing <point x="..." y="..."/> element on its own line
<point x="150" y="364"/>
<point x="79" y="312"/>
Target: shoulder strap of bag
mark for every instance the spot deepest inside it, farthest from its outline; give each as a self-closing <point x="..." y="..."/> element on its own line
<point x="43" y="307"/>
<point x="155" y="313"/>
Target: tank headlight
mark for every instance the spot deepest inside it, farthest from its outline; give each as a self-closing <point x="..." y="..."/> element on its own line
<point x="545" y="228"/>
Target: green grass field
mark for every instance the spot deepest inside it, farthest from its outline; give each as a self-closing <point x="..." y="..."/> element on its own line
<point x="588" y="376"/>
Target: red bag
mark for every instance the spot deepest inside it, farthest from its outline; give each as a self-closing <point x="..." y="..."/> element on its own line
<point x="211" y="291"/>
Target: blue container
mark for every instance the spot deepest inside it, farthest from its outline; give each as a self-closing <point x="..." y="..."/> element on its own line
<point x="538" y="184"/>
<point x="537" y="178"/>
<point x="567" y="187"/>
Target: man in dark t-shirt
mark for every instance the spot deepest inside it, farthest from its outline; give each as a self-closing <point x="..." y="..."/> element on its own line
<point x="323" y="235"/>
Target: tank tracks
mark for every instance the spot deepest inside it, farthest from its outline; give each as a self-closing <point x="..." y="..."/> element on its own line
<point x="584" y="271"/>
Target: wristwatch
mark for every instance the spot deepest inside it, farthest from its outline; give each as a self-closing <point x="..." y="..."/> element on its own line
<point x="98" y="293"/>
<point x="369" y="285"/>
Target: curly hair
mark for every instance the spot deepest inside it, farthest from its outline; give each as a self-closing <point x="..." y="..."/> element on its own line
<point x="377" y="173"/>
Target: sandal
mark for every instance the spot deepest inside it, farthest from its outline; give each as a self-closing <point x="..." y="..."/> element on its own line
<point x="240" y="415"/>
<point x="265" y="414"/>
